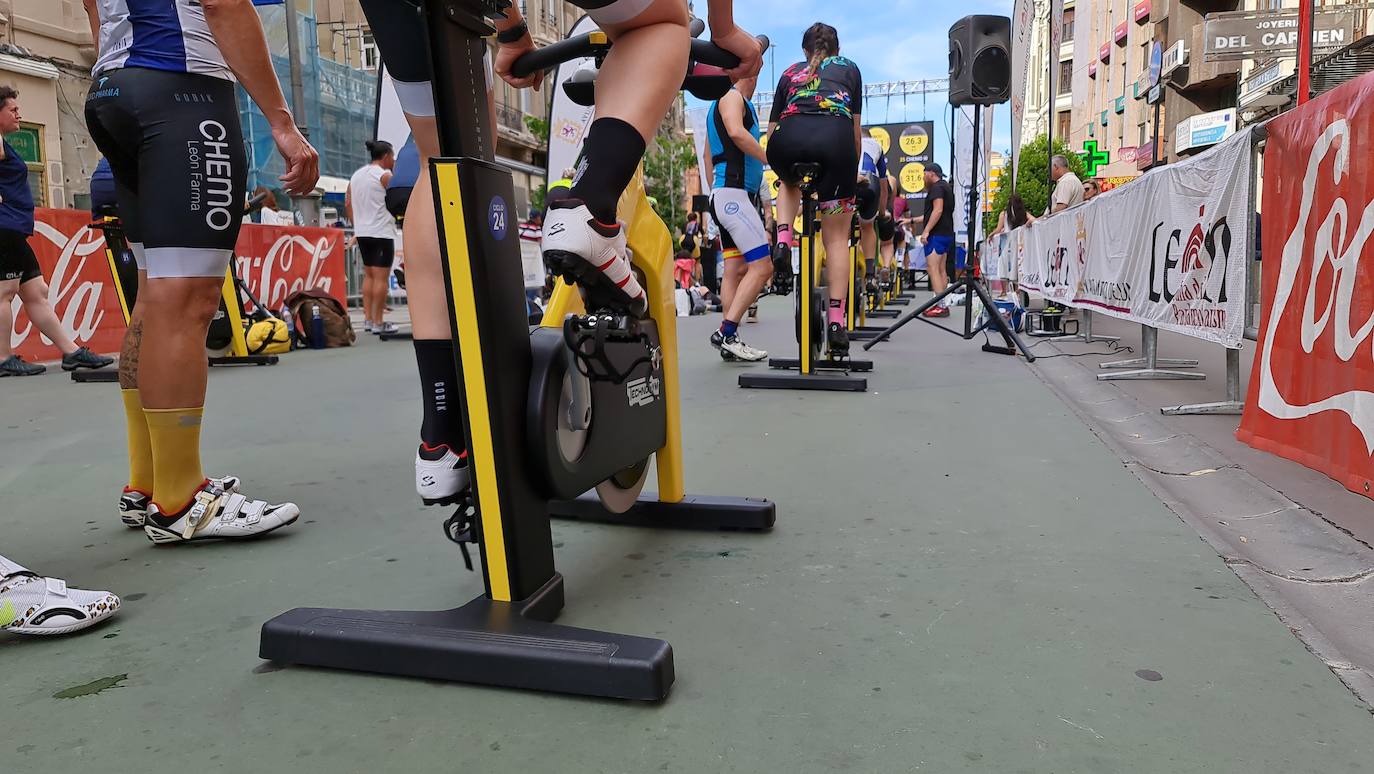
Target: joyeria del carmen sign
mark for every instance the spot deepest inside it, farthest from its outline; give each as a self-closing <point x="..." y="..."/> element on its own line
<point x="275" y="261"/>
<point x="1311" y="396"/>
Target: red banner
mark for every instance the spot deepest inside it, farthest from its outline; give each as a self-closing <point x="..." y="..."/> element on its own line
<point x="275" y="261"/>
<point x="1142" y="11"/>
<point x="1310" y="396"/>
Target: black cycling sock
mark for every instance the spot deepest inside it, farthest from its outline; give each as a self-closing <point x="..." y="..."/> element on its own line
<point x="610" y="155"/>
<point x="439" y="386"/>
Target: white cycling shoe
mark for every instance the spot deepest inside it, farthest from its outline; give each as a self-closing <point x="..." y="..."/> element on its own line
<point x="217" y="514"/>
<point x="593" y="255"/>
<point x="133" y="504"/>
<point x="33" y="604"/>
<point x="441" y="475"/>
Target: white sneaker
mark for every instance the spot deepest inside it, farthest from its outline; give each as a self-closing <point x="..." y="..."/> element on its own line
<point x="217" y="514"/>
<point x="133" y="504"/>
<point x="386" y="327"/>
<point x="32" y="604"/>
<point x="739" y="349"/>
<point x="594" y="255"/>
<point x="368" y="327"/>
<point x="440" y="474"/>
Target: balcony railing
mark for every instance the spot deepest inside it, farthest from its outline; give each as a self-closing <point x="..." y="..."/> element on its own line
<point x="511" y="118"/>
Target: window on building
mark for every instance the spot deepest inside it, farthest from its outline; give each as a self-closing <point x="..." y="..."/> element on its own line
<point x="1065" y="84"/>
<point x="28" y="143"/>
<point x="371" y="57"/>
<point x="1064" y="122"/>
<point x="1068" y="25"/>
<point x="1143" y="134"/>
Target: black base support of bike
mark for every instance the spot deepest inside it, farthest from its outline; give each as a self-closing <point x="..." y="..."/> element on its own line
<point x="232" y="360"/>
<point x="692" y="512"/>
<point x="510" y="644"/>
<point x="102" y="376"/>
<point x="821" y="364"/>
<point x="832" y="382"/>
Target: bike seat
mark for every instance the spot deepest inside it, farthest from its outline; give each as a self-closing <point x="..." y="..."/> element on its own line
<point x="807" y="171"/>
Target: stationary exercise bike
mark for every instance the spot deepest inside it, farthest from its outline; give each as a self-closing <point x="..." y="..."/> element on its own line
<point x="816" y="367"/>
<point x="227" y="330"/>
<point x="582" y="402"/>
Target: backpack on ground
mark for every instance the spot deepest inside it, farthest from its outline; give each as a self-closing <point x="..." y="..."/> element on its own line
<point x="338" y="330"/>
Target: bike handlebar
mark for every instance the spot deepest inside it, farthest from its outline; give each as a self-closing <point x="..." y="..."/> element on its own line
<point x="703" y="51"/>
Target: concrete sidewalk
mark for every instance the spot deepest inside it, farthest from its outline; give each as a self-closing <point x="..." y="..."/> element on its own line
<point x="963" y="578"/>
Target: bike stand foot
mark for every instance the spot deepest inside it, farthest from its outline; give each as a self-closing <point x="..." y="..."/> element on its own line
<point x="692" y="512"/>
<point x="102" y="375"/>
<point x="509" y="644"/>
<point x="229" y="360"/>
<point x="818" y="381"/>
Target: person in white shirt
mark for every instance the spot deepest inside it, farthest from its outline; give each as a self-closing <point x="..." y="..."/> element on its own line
<point x="374" y="228"/>
<point x="1068" y="189"/>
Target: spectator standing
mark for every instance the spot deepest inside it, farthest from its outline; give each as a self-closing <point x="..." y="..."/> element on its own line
<point x="374" y="228"/>
<point x="1068" y="189"/>
<point x="19" y="272"/>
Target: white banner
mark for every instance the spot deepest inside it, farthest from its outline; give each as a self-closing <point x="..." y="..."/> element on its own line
<point x="568" y="121"/>
<point x="961" y="168"/>
<point x="1169" y="250"/>
<point x="1022" y="22"/>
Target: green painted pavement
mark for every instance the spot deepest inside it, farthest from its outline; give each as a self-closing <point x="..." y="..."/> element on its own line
<point x="962" y="579"/>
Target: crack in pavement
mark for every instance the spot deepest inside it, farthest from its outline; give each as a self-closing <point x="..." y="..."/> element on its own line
<point x="1353" y="578"/>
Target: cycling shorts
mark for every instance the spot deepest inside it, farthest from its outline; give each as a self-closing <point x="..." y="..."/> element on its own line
<point x="176" y="150"/>
<point x="377" y="252"/>
<point x="17" y="261"/>
<point x="865" y="202"/>
<point x="820" y="139"/>
<point x="400" y="36"/>
<point x="887" y="228"/>
<point x="741" y="225"/>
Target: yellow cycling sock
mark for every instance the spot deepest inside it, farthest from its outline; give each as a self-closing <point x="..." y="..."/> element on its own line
<point x="175" y="435"/>
<point x="140" y="448"/>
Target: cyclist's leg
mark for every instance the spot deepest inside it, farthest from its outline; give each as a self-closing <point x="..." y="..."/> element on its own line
<point x="125" y="170"/>
<point x="739" y="218"/>
<point x="440" y="462"/>
<point x="636" y="85"/>
<point x="192" y="173"/>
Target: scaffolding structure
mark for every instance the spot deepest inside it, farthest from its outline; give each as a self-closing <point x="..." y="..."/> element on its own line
<point x="340" y="103"/>
<point x="885" y="90"/>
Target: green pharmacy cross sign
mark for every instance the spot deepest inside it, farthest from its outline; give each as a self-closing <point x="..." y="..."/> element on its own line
<point x="1094" y="158"/>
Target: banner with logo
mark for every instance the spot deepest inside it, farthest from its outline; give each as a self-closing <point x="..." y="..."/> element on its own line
<point x="909" y="147"/>
<point x="568" y="121"/>
<point x="275" y="261"/>
<point x="1311" y="396"/>
<point x="1169" y="251"/>
<point x="1022" y="25"/>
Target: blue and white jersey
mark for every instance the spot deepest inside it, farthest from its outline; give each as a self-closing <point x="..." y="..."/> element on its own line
<point x="872" y="162"/>
<point x="160" y="35"/>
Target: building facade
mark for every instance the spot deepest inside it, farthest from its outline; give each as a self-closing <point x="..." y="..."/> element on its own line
<point x="46" y="53"/>
<point x="1039" y="110"/>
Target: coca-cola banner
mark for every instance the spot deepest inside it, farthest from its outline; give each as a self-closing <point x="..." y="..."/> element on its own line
<point x="1170" y="250"/>
<point x="1310" y="397"/>
<point x="275" y="261"/>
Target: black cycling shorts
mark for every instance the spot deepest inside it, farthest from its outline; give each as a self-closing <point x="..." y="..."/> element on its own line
<point x="821" y="139"/>
<point x="887" y="228"/>
<point x="176" y="150"/>
<point x="865" y="202"/>
<point x="378" y="252"/>
<point x="17" y="261"/>
<point x="398" y="27"/>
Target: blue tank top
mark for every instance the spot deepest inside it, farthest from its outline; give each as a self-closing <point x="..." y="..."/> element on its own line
<point x="16" y="200"/>
<point x="733" y="167"/>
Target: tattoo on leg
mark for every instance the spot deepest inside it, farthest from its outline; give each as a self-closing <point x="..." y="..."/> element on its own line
<point x="128" y="355"/>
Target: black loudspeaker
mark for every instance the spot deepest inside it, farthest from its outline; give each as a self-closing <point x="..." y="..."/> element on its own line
<point x="701" y="203"/>
<point x="980" y="60"/>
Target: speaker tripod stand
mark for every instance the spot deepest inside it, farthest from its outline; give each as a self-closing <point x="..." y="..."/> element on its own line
<point x="969" y="285"/>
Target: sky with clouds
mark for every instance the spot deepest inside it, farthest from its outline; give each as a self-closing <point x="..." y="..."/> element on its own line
<point x="890" y="40"/>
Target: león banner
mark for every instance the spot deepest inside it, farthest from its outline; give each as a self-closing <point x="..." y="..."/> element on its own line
<point x="1169" y="250"/>
<point x="275" y="261"/>
<point x="1311" y="396"/>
